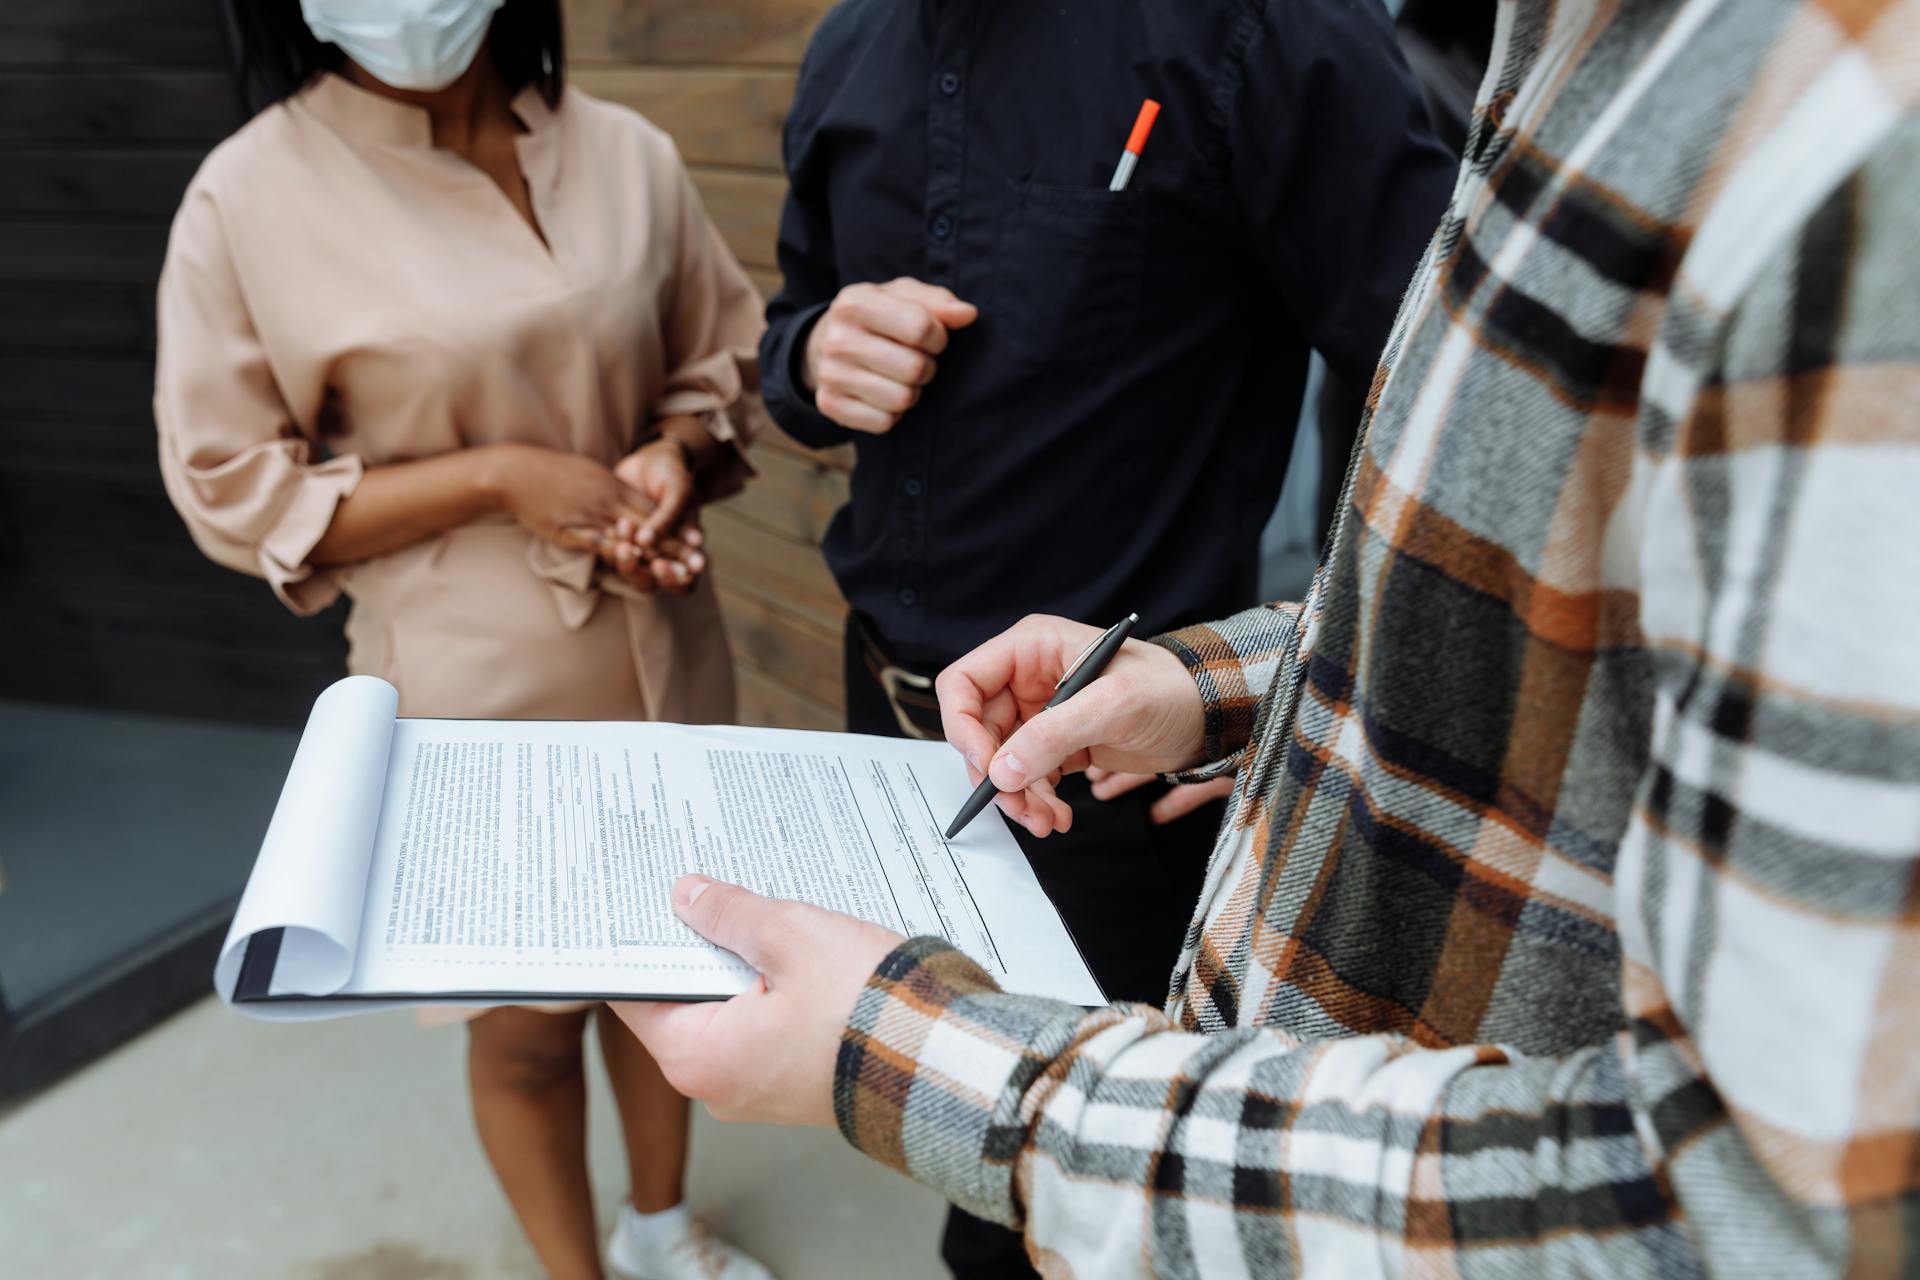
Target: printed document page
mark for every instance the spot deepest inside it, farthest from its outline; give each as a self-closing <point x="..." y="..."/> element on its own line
<point x="530" y="856"/>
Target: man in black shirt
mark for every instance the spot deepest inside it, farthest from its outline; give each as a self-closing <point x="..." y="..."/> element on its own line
<point x="1045" y="381"/>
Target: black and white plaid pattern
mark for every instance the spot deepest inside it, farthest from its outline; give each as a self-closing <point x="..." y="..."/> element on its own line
<point x="1568" y="917"/>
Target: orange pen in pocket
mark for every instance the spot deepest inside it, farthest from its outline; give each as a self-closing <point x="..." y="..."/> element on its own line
<point x="1136" y="143"/>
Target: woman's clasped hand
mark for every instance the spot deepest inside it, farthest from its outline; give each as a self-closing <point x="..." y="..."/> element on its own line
<point x="639" y="516"/>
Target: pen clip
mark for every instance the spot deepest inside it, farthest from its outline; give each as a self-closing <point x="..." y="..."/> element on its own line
<point x="1085" y="653"/>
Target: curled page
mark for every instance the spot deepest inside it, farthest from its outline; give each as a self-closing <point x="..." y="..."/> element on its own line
<point x="310" y="880"/>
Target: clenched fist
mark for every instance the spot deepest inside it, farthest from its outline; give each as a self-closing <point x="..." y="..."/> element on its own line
<point x="874" y="348"/>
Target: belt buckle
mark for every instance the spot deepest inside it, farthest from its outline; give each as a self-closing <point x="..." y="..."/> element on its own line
<point x="891" y="679"/>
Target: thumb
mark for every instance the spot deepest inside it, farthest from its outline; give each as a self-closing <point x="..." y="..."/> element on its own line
<point x="1058" y="736"/>
<point x="679" y="1038"/>
<point x="668" y="501"/>
<point x="953" y="313"/>
<point x="750" y="926"/>
<point x="655" y="1023"/>
<point x="949" y="310"/>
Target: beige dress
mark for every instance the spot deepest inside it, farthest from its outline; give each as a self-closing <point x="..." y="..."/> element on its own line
<point x="339" y="295"/>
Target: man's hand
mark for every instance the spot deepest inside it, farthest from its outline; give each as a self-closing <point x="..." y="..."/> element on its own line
<point x="767" y="1055"/>
<point x="873" y="349"/>
<point x="1143" y="715"/>
<point x="1171" y="807"/>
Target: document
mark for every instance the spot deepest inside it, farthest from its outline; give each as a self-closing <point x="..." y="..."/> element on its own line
<point x="490" y="862"/>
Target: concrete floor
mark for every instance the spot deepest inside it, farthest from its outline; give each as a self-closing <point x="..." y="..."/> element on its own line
<point x="215" y="1147"/>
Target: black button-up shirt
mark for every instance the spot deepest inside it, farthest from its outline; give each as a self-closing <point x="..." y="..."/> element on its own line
<point x="1112" y="433"/>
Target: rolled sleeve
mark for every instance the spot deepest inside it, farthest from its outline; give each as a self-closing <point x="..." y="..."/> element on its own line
<point x="713" y="337"/>
<point x="243" y="473"/>
<point x="263" y="511"/>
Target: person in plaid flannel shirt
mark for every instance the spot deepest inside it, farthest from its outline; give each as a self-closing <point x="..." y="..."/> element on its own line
<point x="1567" y="916"/>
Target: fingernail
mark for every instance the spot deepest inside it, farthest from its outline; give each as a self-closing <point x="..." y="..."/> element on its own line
<point x="687" y="890"/>
<point x="1009" y="774"/>
<point x="973" y="762"/>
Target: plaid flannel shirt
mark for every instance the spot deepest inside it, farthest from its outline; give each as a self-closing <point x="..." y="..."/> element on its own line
<point x="1567" y="919"/>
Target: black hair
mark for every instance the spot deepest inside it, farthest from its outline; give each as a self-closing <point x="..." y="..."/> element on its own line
<point x="278" y="54"/>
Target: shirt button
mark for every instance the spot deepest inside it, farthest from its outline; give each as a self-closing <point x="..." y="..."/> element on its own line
<point x="912" y="486"/>
<point x="942" y="226"/>
<point x="949" y="83"/>
<point x="908" y="597"/>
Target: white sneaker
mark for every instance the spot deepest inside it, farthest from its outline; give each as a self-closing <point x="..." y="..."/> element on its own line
<point x="657" y="1247"/>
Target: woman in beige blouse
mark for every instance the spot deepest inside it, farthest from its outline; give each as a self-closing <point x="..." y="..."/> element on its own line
<point x="462" y="344"/>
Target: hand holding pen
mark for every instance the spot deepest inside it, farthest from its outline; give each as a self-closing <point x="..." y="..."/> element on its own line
<point x="999" y="707"/>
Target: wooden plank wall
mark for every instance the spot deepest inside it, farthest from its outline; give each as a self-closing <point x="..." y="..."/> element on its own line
<point x="106" y="108"/>
<point x="718" y="75"/>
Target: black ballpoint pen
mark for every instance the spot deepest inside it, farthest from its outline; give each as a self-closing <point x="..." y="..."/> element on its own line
<point x="1091" y="662"/>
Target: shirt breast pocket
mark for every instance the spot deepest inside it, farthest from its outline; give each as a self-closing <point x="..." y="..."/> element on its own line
<point x="1071" y="266"/>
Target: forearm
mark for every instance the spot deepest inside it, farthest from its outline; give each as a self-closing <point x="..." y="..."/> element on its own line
<point x="403" y="503"/>
<point x="1104" y="1133"/>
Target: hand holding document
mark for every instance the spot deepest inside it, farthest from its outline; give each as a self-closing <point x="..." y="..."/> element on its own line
<point x="508" y="862"/>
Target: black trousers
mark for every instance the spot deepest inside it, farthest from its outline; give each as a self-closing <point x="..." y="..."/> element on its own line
<point x="1126" y="890"/>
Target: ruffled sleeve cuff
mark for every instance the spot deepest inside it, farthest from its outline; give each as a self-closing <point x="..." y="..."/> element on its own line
<point x="290" y="540"/>
<point x="721" y="390"/>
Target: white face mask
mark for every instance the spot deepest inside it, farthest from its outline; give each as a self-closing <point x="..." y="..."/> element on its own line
<point x="410" y="44"/>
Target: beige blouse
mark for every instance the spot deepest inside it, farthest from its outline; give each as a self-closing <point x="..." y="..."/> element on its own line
<point x="338" y="294"/>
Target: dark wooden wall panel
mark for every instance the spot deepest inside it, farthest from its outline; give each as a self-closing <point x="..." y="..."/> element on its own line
<point x="85" y="180"/>
<point x="106" y="108"/>
<point x="118" y="105"/>
<point x="65" y="253"/>
<point x="47" y="35"/>
<point x="58" y="317"/>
